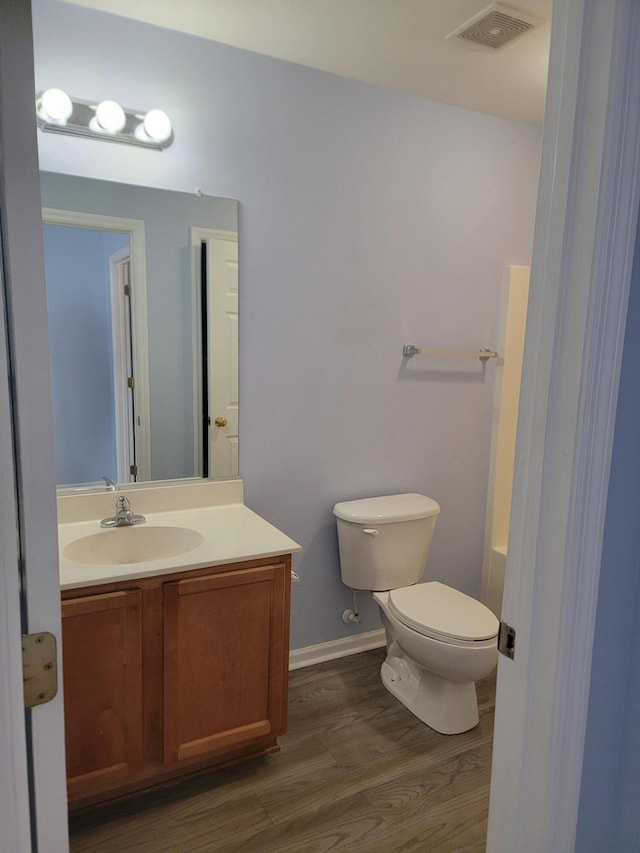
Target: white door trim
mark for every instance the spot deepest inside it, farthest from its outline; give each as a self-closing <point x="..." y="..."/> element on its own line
<point x="583" y="250"/>
<point x="135" y="228"/>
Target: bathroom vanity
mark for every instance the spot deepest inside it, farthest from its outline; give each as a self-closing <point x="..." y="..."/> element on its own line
<point x="173" y="665"/>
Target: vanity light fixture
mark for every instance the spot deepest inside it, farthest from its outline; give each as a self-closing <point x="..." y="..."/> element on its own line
<point x="58" y="113"/>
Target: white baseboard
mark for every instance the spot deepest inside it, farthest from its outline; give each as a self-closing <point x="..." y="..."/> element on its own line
<point x="310" y="655"/>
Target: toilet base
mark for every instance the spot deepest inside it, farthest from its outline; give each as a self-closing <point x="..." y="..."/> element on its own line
<point x="447" y="707"/>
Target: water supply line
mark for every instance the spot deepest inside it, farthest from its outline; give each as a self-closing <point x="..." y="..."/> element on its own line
<point x="350" y="616"/>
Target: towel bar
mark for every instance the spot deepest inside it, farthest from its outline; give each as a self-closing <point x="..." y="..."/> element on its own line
<point x="483" y="354"/>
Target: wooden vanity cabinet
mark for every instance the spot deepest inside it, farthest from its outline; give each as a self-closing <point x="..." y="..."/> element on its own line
<point x="169" y="675"/>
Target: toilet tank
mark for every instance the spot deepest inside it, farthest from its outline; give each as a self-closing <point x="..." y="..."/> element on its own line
<point x="384" y="541"/>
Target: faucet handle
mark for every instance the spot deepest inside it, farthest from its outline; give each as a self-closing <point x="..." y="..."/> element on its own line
<point x="124" y="516"/>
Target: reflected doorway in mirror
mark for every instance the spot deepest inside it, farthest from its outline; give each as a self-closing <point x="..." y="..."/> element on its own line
<point x="215" y="255"/>
<point x="96" y="294"/>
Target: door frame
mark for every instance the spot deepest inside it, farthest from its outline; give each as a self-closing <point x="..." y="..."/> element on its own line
<point x="584" y="240"/>
<point x="135" y="228"/>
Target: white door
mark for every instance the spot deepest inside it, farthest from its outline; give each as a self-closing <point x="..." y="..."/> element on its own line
<point x="15" y="833"/>
<point x="580" y="277"/>
<point x="27" y="494"/>
<point x="222" y="280"/>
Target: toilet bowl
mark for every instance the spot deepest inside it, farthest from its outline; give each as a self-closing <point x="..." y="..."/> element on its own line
<point x="433" y="673"/>
<point x="439" y="640"/>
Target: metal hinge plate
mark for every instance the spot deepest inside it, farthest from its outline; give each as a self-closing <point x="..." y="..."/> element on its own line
<point x="39" y="668"/>
<point x="131" y="382"/>
<point x="507" y="640"/>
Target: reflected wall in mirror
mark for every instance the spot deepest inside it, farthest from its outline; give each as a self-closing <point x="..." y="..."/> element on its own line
<point x="142" y="290"/>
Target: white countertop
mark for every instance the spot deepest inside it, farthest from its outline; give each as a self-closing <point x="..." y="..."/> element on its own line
<point x="230" y="533"/>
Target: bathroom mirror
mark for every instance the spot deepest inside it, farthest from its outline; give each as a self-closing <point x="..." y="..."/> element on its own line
<point x="142" y="291"/>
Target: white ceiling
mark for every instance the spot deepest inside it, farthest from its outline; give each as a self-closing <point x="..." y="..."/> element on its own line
<point x="399" y="44"/>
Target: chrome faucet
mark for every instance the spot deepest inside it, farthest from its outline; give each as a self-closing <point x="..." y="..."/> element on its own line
<point x="111" y="486"/>
<point x="124" y="517"/>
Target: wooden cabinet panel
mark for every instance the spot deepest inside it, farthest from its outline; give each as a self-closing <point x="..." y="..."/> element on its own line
<point x="225" y="661"/>
<point x="102" y="663"/>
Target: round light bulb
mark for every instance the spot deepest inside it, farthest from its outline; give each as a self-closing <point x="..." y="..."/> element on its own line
<point x="55" y="106"/>
<point x="157" y="125"/>
<point x="111" y="117"/>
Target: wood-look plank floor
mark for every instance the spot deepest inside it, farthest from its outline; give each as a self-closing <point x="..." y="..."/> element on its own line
<point x="357" y="772"/>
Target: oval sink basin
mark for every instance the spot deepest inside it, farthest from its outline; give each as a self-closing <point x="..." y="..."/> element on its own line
<point x="132" y="545"/>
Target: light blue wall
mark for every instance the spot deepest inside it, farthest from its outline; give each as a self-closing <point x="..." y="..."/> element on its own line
<point x="368" y="219"/>
<point x="81" y="346"/>
<point x="168" y="216"/>
<point x="609" y="817"/>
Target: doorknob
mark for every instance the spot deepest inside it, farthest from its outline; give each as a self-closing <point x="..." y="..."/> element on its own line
<point x="220" y="422"/>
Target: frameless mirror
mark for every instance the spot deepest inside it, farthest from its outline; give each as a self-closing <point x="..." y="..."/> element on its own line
<point x="142" y="292"/>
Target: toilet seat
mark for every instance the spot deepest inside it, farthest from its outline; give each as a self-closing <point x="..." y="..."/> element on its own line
<point x="445" y="614"/>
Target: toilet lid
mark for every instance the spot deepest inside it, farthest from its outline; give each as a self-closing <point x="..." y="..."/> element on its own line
<point x="441" y="612"/>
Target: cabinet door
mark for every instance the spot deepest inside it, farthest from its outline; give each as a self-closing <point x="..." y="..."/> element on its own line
<point x="226" y="661"/>
<point x="102" y="662"/>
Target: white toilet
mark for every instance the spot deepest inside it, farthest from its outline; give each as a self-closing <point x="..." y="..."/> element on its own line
<point x="439" y="641"/>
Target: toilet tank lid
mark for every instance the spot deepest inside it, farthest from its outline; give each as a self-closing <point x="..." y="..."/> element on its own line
<point x="387" y="509"/>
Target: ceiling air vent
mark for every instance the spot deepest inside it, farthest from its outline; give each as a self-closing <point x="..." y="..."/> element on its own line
<point x="495" y="26"/>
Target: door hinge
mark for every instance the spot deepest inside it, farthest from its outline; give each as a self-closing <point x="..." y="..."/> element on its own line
<point x="507" y="640"/>
<point x="133" y="470"/>
<point x="131" y="382"/>
<point x="39" y="668"/>
<point x="127" y="290"/>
